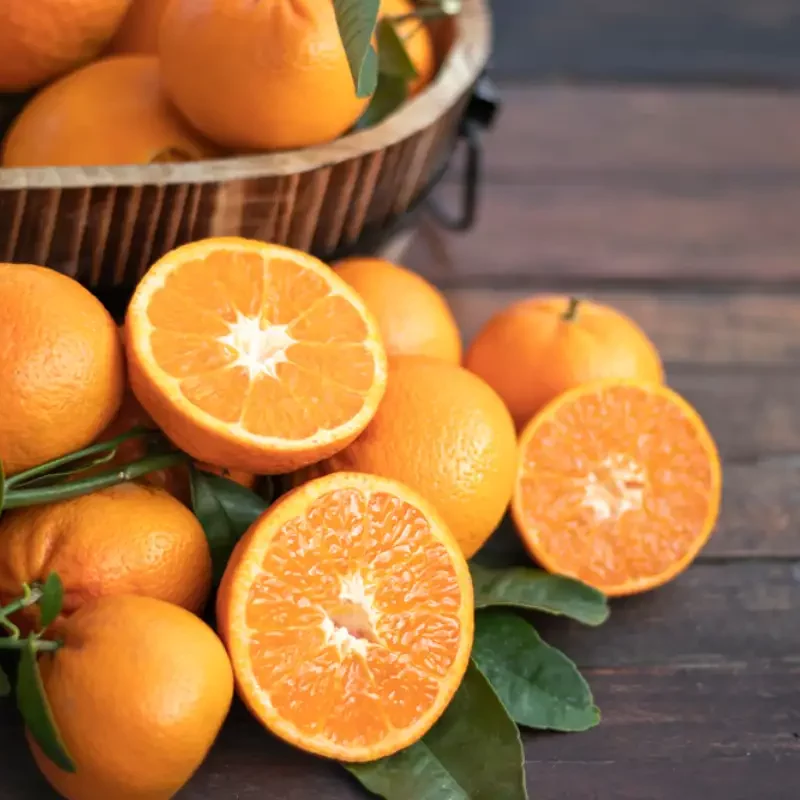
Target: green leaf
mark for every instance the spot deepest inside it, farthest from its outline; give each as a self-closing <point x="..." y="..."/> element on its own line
<point x="393" y="57"/>
<point x="35" y="709"/>
<point x="474" y="752"/>
<point x="391" y="93"/>
<point x="225" y="510"/>
<point x="536" y="590"/>
<point x="356" y="20"/>
<point x="5" y="684"/>
<point x="539" y="686"/>
<point x="52" y="599"/>
<point x="2" y="486"/>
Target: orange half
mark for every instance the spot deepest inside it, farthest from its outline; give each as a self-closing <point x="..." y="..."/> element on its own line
<point x="347" y="610"/>
<point x="618" y="484"/>
<point x="253" y="356"/>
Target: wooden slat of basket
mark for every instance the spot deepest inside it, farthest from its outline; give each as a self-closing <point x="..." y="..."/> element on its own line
<point x="105" y="226"/>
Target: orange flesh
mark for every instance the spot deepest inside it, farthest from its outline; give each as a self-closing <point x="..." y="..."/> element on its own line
<point x="253" y="343"/>
<point x="357" y="623"/>
<point x="618" y="486"/>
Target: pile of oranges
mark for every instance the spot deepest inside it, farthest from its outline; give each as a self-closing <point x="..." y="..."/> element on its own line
<point x="345" y="614"/>
<point x="146" y="81"/>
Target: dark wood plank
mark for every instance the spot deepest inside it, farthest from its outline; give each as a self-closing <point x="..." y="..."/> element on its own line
<point x="632" y="185"/>
<point x="717" y="329"/>
<point x="678" y="732"/>
<point x="697" y="682"/>
<point x="713" y="40"/>
<point x="614" y="132"/>
<point x="563" y="232"/>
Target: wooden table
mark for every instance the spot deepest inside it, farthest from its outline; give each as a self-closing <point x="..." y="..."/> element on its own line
<point x="682" y="207"/>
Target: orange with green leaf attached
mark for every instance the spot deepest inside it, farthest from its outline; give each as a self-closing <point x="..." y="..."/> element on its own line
<point x="126" y="539"/>
<point x="259" y="76"/>
<point x="138" y="689"/>
<point x="536" y="349"/>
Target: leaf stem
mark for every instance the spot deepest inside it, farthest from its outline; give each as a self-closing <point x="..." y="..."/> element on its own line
<point x="31" y="596"/>
<point x="23" y="497"/>
<point x="40" y="645"/>
<point x="100" y="447"/>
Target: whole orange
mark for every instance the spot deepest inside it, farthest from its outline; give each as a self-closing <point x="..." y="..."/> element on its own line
<point x="128" y="539"/>
<point x="417" y="39"/>
<point x="42" y="39"/>
<point x="138" y="32"/>
<point x="112" y="111"/>
<point x="413" y="316"/>
<point x="62" y="369"/>
<point x="175" y="480"/>
<point x="270" y="75"/>
<point x="536" y="349"/>
<point x="139" y="691"/>
<point x="444" y="432"/>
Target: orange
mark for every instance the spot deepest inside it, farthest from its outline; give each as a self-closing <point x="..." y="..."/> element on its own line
<point x="110" y="112"/>
<point x="175" y="480"/>
<point x="138" y="32"/>
<point x="270" y="75"/>
<point x="42" y="39"/>
<point x="445" y="433"/>
<point x="414" y="317"/>
<point x="538" y="348"/>
<point x="128" y="539"/>
<point x="417" y="39"/>
<point x="347" y="612"/>
<point x="61" y="366"/>
<point x="253" y="356"/>
<point x="139" y="691"/>
<point x="618" y="484"/>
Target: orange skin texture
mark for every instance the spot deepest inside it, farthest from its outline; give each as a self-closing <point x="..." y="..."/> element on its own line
<point x="445" y="433"/>
<point x="110" y="112"/>
<point x="153" y="685"/>
<point x="61" y="366"/>
<point x="138" y="32"/>
<point x="271" y="75"/>
<point x="175" y="480"/>
<point x="530" y="354"/>
<point x="127" y="539"/>
<point x="418" y="41"/>
<point x="413" y="315"/>
<point x="44" y="39"/>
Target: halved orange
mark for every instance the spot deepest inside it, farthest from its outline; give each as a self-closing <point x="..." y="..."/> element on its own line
<point x="618" y="484"/>
<point x="347" y="611"/>
<point x="253" y="356"/>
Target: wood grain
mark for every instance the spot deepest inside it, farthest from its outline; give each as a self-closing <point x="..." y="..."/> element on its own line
<point x="650" y="185"/>
<point x="713" y="40"/>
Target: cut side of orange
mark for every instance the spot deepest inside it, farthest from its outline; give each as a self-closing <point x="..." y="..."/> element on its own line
<point x="253" y="356"/>
<point x="618" y="484"/>
<point x="347" y="610"/>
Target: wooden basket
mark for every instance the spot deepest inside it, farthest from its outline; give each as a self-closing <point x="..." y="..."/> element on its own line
<point x="105" y="226"/>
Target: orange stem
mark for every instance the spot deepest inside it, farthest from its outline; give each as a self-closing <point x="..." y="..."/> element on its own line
<point x="571" y="314"/>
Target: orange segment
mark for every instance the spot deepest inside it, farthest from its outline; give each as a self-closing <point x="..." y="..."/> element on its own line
<point x="253" y="356"/>
<point x="347" y="610"/>
<point x="618" y="485"/>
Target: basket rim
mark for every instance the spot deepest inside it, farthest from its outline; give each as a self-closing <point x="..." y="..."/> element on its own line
<point x="459" y="71"/>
